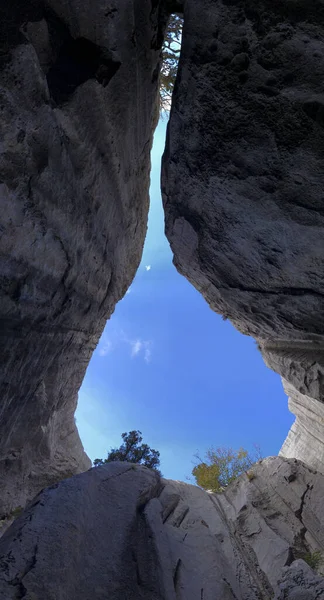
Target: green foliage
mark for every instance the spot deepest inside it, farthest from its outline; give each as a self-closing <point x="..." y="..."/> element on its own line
<point x="313" y="559"/>
<point x="222" y="466"/>
<point x="170" y="58"/>
<point x="132" y="450"/>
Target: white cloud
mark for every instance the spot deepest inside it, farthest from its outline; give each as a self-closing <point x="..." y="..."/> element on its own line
<point x="105" y="348"/>
<point x="136" y="347"/>
<point x="105" y="345"/>
<point x="148" y="267"/>
<point x="142" y="348"/>
<point x="147" y="353"/>
<point x="128" y="291"/>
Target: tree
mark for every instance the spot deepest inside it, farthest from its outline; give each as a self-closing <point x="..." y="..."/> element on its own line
<point x="132" y="450"/>
<point x="170" y="59"/>
<point x="222" y="466"/>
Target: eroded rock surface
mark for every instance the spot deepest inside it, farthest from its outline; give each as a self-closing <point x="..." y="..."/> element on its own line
<point x="242" y="180"/>
<point x="78" y="85"/>
<point x="306" y="436"/>
<point x="118" y="531"/>
<point x="299" y="582"/>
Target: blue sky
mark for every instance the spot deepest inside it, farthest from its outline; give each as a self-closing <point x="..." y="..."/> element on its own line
<point x="170" y="367"/>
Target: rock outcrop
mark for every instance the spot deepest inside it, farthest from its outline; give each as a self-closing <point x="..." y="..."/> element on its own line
<point x="242" y="183"/>
<point x="306" y="436"/>
<point x="242" y="186"/>
<point x="119" y="531"/>
<point x="78" y="85"/>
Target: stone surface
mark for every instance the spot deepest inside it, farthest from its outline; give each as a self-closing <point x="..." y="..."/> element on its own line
<point x="119" y="531"/>
<point x="78" y="87"/>
<point x="242" y="187"/>
<point x="298" y="582"/>
<point x="306" y="436"/>
<point x="242" y="180"/>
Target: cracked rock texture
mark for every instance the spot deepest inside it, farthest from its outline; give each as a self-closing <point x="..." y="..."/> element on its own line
<point x="306" y="436"/>
<point x="242" y="183"/>
<point x="78" y="104"/>
<point x="119" y="531"/>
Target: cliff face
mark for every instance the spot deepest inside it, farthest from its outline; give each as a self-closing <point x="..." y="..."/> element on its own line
<point x="242" y="187"/>
<point x="242" y="182"/>
<point x="78" y="89"/>
<point x="306" y="436"/>
<point x="118" y="531"/>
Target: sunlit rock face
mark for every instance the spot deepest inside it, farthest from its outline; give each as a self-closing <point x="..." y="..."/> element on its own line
<point x="119" y="531"/>
<point x="306" y="436"/>
<point x="242" y="183"/>
<point x="78" y="85"/>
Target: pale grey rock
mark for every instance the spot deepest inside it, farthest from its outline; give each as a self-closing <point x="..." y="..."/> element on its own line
<point x="242" y="178"/>
<point x="306" y="436"/>
<point x="119" y="531"/>
<point x="298" y="582"/>
<point x="78" y="85"/>
<point x="85" y="537"/>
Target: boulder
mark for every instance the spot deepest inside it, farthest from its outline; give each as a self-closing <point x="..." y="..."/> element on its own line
<point x="299" y="582"/>
<point x="119" y="531"/>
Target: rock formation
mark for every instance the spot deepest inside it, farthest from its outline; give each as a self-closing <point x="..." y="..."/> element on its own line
<point x="242" y="187"/>
<point x="306" y="436"/>
<point x="78" y="85"/>
<point x="242" y="183"/>
<point x="118" y="531"/>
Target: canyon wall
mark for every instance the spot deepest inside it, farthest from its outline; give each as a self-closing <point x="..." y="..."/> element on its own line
<point x="78" y="88"/>
<point x="119" y="531"/>
<point x="242" y="184"/>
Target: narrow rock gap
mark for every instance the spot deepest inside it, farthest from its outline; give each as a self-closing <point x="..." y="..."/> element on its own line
<point x="176" y="576"/>
<point x="175" y="8"/>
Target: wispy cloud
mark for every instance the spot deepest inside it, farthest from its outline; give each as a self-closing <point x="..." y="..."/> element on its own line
<point x="142" y="348"/>
<point x="148" y="352"/>
<point x="136" y="346"/>
<point x="128" y="291"/>
<point x="148" y="267"/>
<point x="105" y="346"/>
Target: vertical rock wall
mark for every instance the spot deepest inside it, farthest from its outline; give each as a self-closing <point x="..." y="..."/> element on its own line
<point x="242" y="183"/>
<point x="78" y="106"/>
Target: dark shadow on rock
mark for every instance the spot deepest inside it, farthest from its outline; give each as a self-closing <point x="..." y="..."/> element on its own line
<point x="78" y="61"/>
